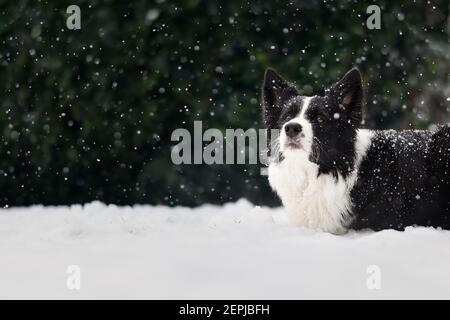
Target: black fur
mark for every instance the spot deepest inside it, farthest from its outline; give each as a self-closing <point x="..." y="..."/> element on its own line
<point x="276" y="92"/>
<point x="334" y="117"/>
<point x="403" y="180"/>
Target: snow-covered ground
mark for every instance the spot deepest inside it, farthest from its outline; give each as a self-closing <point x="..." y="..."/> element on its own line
<point x="236" y="251"/>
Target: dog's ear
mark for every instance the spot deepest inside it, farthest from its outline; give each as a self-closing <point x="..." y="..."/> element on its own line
<point x="350" y="95"/>
<point x="275" y="92"/>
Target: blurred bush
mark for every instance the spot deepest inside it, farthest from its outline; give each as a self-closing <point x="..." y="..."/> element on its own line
<point x="88" y="114"/>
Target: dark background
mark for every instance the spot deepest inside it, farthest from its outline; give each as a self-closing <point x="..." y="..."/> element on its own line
<point x="88" y="114"/>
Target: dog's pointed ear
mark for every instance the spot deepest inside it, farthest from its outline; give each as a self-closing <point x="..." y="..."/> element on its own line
<point x="275" y="92"/>
<point x="350" y="95"/>
<point x="276" y="89"/>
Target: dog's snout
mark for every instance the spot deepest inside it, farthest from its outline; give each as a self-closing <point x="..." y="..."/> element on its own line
<point x="292" y="129"/>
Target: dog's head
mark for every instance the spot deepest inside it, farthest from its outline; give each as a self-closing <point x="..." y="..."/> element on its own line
<point x="321" y="127"/>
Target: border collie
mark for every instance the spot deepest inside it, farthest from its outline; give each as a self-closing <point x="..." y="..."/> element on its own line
<point x="334" y="176"/>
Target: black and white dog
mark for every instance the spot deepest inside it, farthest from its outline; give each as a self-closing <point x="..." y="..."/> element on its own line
<point x="332" y="175"/>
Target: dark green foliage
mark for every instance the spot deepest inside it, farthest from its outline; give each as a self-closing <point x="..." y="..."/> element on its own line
<point x="88" y="114"/>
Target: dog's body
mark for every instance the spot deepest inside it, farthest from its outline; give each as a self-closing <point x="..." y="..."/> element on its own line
<point x="332" y="175"/>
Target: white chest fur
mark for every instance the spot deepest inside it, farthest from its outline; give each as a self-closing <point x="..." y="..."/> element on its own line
<point x="312" y="201"/>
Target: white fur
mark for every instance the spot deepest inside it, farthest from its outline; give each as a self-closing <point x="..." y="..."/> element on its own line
<point x="307" y="132"/>
<point x="312" y="201"/>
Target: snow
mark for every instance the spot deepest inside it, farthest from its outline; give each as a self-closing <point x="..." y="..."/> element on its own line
<point x="237" y="251"/>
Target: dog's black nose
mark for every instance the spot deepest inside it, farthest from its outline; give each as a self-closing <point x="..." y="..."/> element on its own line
<point x="292" y="129"/>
